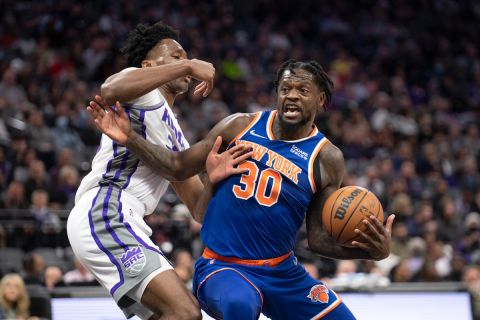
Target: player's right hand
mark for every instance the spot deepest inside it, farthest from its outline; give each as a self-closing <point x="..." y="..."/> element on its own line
<point x="205" y="72"/>
<point x="111" y="120"/>
<point x="219" y="166"/>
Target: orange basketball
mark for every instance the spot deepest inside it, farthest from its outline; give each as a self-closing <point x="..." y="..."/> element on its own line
<point x="345" y="210"/>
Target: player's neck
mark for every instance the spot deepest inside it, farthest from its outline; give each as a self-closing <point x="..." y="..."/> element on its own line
<point x="284" y="131"/>
<point x="169" y="97"/>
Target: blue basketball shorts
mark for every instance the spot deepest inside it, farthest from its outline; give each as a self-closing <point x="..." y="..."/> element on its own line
<point x="228" y="290"/>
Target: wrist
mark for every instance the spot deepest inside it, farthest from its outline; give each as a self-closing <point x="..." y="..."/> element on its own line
<point x="187" y="66"/>
<point x="131" y="138"/>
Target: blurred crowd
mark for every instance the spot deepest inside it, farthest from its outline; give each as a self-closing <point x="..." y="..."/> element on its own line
<point x="405" y="112"/>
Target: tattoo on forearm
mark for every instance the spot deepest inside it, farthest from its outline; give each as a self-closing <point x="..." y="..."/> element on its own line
<point x="159" y="159"/>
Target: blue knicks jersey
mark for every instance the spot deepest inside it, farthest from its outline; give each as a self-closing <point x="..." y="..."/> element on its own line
<point x="256" y="215"/>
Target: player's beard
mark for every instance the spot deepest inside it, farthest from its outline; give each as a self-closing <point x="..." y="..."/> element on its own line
<point x="293" y="126"/>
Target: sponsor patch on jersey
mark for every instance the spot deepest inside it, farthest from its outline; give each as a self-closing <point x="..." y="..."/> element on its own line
<point x="299" y="152"/>
<point x="318" y="293"/>
<point x="133" y="260"/>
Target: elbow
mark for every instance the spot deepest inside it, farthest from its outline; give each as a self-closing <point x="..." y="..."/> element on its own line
<point x="108" y="93"/>
<point x="179" y="172"/>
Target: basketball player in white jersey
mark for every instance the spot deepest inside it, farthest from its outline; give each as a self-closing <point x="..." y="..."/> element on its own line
<point x="106" y="227"/>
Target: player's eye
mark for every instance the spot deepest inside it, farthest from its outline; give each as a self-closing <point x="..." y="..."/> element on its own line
<point x="283" y="90"/>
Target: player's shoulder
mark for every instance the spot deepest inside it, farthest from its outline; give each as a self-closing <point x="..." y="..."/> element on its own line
<point x="232" y="125"/>
<point x="330" y="156"/>
<point x="241" y="118"/>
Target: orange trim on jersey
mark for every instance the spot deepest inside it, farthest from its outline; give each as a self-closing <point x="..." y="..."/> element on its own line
<point x="328" y="309"/>
<point x="273" y="262"/>
<point x="314" y="131"/>
<point x="315" y="152"/>
<point x="251" y="124"/>
<point x="223" y="269"/>
<point x="270" y="126"/>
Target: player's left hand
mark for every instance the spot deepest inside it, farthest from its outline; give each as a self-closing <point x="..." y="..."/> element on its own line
<point x="377" y="238"/>
<point x="222" y="165"/>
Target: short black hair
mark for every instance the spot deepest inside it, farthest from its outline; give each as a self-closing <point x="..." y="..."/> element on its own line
<point x="143" y="38"/>
<point x="321" y="78"/>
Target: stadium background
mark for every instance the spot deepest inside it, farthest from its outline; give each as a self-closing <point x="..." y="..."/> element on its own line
<point x="405" y="113"/>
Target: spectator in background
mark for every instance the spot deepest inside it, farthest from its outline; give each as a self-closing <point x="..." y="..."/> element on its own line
<point x="37" y="178"/>
<point x="14" y="196"/>
<point x="79" y="275"/>
<point x="40" y="137"/>
<point x="47" y="221"/>
<point x="65" y="135"/>
<point x="469" y="246"/>
<point x="449" y="227"/>
<point x="471" y="279"/>
<point x="399" y="242"/>
<point x="11" y="90"/>
<point x="14" y="299"/>
<point x="19" y="155"/>
<point x="67" y="184"/>
<point x="402" y="272"/>
<point x="33" y="266"/>
<point x="64" y="157"/>
<point x="53" y="277"/>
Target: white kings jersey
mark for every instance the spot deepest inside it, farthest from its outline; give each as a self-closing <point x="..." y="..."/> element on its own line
<point x="152" y="118"/>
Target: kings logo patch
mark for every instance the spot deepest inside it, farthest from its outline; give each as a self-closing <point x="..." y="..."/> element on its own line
<point x="133" y="260"/>
<point x="319" y="293"/>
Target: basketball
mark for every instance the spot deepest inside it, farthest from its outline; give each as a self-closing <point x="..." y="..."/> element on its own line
<point x="345" y="210"/>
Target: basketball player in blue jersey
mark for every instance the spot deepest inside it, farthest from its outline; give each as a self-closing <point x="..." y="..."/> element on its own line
<point x="106" y="227"/>
<point x="251" y="220"/>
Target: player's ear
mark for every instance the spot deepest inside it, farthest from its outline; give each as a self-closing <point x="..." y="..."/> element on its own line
<point x="321" y="100"/>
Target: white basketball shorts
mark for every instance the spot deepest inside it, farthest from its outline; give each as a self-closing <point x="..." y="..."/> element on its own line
<point x="110" y="238"/>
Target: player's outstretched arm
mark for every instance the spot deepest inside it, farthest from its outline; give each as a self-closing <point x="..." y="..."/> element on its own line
<point x="377" y="241"/>
<point x="132" y="83"/>
<point x="174" y="166"/>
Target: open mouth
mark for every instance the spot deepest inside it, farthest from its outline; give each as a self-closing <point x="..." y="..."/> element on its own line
<point x="291" y="110"/>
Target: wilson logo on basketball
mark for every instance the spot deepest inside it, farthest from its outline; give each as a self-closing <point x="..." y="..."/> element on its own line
<point x="342" y="208"/>
<point x="319" y="293"/>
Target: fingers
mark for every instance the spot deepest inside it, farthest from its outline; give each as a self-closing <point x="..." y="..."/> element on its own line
<point x="208" y="89"/>
<point x="374" y="229"/>
<point x="99" y="100"/>
<point x="242" y="158"/>
<point x="365" y="236"/>
<point x="388" y="226"/>
<point x="204" y="88"/>
<point x="120" y="110"/>
<point x="216" y="145"/>
<point x="361" y="245"/>
<point x="200" y="88"/>
<point x="239" y="148"/>
<point x="239" y="170"/>
<point x="95" y="110"/>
